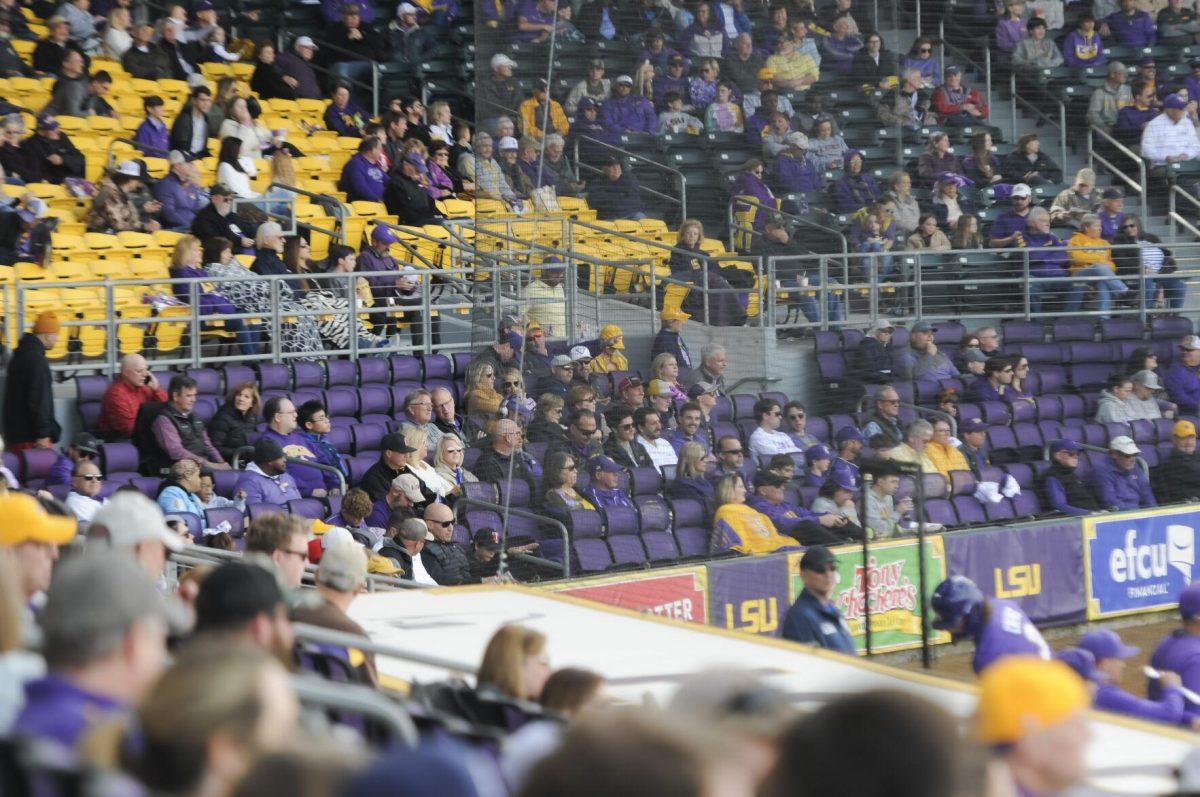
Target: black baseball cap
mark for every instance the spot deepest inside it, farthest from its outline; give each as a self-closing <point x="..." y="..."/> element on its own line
<point x="816" y="557"/>
<point x="487" y="538"/>
<point x="395" y="442"/>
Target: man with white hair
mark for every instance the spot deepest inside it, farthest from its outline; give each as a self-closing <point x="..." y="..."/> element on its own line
<point x="903" y="105"/>
<point x="484" y="170"/>
<point x="341" y="577"/>
<point x="713" y="362"/>
<point x="133" y="387"/>
<point x="566" y="178"/>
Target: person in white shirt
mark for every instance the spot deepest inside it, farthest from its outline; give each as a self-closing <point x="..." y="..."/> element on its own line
<point x="767" y="440"/>
<point x="650" y="429"/>
<point x="412" y="537"/>
<point x="86" y="483"/>
<point x="1170" y="137"/>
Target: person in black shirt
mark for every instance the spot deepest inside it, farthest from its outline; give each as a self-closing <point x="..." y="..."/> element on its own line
<point x="49" y="53"/>
<point x="377" y="481"/>
<point x="217" y="220"/>
<point x="505" y="454"/>
<point x="615" y="195"/>
<point x="269" y="243"/>
<point x="405" y="197"/>
<point x="50" y="155"/>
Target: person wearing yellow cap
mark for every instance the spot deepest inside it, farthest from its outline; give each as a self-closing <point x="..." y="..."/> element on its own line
<point x="1180" y="474"/>
<point x="33" y="536"/>
<point x="28" y="393"/>
<point x="670" y="340"/>
<point x="1032" y="712"/>
<point x="610" y="359"/>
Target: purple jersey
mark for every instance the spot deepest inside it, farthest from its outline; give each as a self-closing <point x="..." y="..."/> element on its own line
<point x="1007" y="632"/>
<point x="1180" y="652"/>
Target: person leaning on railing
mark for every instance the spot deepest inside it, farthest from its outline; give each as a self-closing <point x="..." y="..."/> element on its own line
<point x="1089" y="255"/>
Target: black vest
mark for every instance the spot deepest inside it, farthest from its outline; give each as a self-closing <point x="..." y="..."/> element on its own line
<point x="1077" y="494"/>
<point x="190" y="428"/>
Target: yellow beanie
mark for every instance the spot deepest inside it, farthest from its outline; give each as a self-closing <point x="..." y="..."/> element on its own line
<point x="1018" y="689"/>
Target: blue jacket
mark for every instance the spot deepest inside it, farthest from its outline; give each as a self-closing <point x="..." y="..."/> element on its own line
<point x="853" y="192"/>
<point x="263" y="489"/>
<point x="696" y="489"/>
<point x="59" y="711"/>
<point x="175" y="499"/>
<point x="363" y="180"/>
<point x="328" y="455"/>
<point x="672" y="343"/>
<point x="1047" y="254"/>
<point x="632" y="114"/>
<point x="1120" y="489"/>
<point x="615" y="199"/>
<point x="180" y="203"/>
<point x="1183" y="387"/>
<point x="602" y="499"/>
<point x="153" y="138"/>
<point x="812" y="621"/>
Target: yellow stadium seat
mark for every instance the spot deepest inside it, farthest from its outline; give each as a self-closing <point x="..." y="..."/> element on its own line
<point x="167" y="238"/>
<point x="132" y="240"/>
<point x="169" y="329"/>
<point x="47" y="190"/>
<point x="368" y="209"/>
<point x="215" y="70"/>
<point x="308" y="106"/>
<point x="131" y="331"/>
<point x="103" y="124"/>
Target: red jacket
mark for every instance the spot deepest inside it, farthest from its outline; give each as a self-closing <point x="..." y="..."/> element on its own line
<point x="119" y="407"/>
<point x="943" y="106"/>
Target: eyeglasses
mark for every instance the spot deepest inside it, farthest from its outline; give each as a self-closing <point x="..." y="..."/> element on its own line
<point x="1007" y="371"/>
<point x="302" y="554"/>
<point x="796" y="416"/>
<point x="569" y="467"/>
<point x="318" y="419"/>
<point x="454" y="450"/>
<point x="1128" y="226"/>
<point x="91" y="477"/>
<point x="774" y="413"/>
<point x="925" y="50"/>
<point x="443" y="523"/>
<point x="625" y="427"/>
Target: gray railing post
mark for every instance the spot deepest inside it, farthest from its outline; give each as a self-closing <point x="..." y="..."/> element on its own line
<point x="194" y="323"/>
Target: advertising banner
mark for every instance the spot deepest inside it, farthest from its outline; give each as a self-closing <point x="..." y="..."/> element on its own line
<point x="749" y="594"/>
<point x="892" y="591"/>
<point x="679" y="593"/>
<point x="1138" y="561"/>
<point x="1039" y="567"/>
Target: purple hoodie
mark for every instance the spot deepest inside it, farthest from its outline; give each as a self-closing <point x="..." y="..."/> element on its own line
<point x="297" y="445"/>
<point x="263" y="489"/>
<point x="363" y="180"/>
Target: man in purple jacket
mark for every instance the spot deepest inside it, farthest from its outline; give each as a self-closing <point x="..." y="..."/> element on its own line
<point x="101" y="660"/>
<point x="1182" y="380"/>
<point x="605" y="490"/>
<point x="281" y="417"/>
<point x="1130" y="27"/>
<point x="1180" y="652"/>
<point x="180" y="193"/>
<point x="1007" y="228"/>
<point x="998" y="627"/>
<point x="626" y="112"/>
<point x="1110" y="654"/>
<point x="1117" y="482"/>
<point x="152" y="136"/>
<point x="265" y="480"/>
<point x="805" y="525"/>
<point x="363" y="177"/>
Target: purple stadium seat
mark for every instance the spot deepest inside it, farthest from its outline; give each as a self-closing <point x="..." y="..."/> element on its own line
<point x="1029" y="440"/>
<point x="832" y="368"/>
<point x="818" y="426"/>
<point x="935" y="485"/>
<point x="623" y="524"/>
<point x="828" y="342"/>
<point x="12" y="462"/>
<point x="514" y="493"/>
<point x="1170" y="327"/>
<point x="1066" y="330"/>
<point x="1088" y="352"/>
<point x="333" y="503"/>
<point x="1073" y="433"/>
<point x="1095" y="435"/>
<point x="307" y="507"/>
<point x="899" y="338"/>
<point x="91" y="391"/>
<point x="477" y="519"/>
<point x="148" y="485"/>
<point x="775" y="395"/>
<point x="308" y="374"/>
<point x="1039" y="353"/>
<point x="1049" y="408"/>
<point x="237" y="374"/>
<point x="999" y="512"/>
<point x="373" y="371"/>
<point x="723" y="410"/>
<point x="1022" y="332"/>
<point x="1023" y="411"/>
<point x="1089" y="376"/>
<point x="194" y="523"/>
<point x="962" y="482"/>
<point x="967" y="411"/>
<point x="208" y="381"/>
<point x="359" y="465"/>
<point x="583" y="479"/>
<point x="1051" y="430"/>
<point x="471" y="456"/>
<point x="1165" y="429"/>
<point x="225" y="481"/>
<point x="461" y="360"/>
<point x="340" y="372"/>
<point x="1051" y="378"/>
<point x="118" y="458"/>
<point x="692" y="527"/>
<point x="461" y="535"/>
<point x="58" y="491"/>
<point x="743" y="406"/>
<point x="645" y="481"/>
<point x="1121" y="329"/>
<point x="1022" y="474"/>
<point x="1112" y="430"/>
<point x="341" y="402"/>
<point x="367" y="438"/>
<point x="405" y="368"/>
<point x="480" y="491"/>
<point x="1150" y="455"/>
<point x="1072" y="406"/>
<point x="656" y="529"/>
<point x="925" y="391"/>
<point x="274" y="376"/>
<point x="724" y="429"/>
<point x="206" y="407"/>
<point x="237" y="522"/>
<point x="1026" y="503"/>
<point x="374" y="400"/>
<point x="35" y="466"/>
<point x="996" y="413"/>
<point x="970" y="512"/>
<point x="437" y="366"/>
<point x="941" y="510"/>
<point x="340" y="438"/>
<point x="399" y="392"/>
<point x="1002" y="443"/>
<point x="851" y="338"/>
<point x="949" y="333"/>
<point x="255" y="510"/>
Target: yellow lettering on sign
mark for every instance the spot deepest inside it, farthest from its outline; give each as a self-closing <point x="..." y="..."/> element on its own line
<point x="1018" y="581"/>
<point x="756" y="616"/>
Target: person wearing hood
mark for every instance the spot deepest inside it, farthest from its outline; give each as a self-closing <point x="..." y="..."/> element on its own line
<point x="266" y="480"/>
<point x="1061" y="488"/>
<point x="1113" y="407"/>
<point x="855" y="189"/>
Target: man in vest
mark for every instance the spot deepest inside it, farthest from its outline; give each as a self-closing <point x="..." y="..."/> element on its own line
<point x="179" y="433"/>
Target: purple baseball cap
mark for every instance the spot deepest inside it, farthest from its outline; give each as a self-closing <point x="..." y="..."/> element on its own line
<point x="1082" y="662"/>
<point x="1105" y="644"/>
<point x="1189" y="601"/>
<point x="1175" y="101"/>
<point x="848" y="433"/>
<point x="844" y="479"/>
<point x="383" y="235"/>
<point x="817" y="452"/>
<point x="1064" y="445"/>
<point x="515" y="340"/>
<point x="603" y="463"/>
<point x="972" y="425"/>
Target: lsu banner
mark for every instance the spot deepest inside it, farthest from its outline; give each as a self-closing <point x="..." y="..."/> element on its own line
<point x="1138" y="561"/>
<point x="1039" y="567"/>
<point x="749" y="594"/>
<point x="892" y="581"/>
<point x="678" y="593"/>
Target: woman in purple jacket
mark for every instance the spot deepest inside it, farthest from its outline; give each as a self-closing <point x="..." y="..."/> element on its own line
<point x="186" y="263"/>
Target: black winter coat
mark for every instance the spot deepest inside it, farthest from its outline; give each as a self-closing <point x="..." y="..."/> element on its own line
<point x="28" y="395"/>
<point x="230" y="430"/>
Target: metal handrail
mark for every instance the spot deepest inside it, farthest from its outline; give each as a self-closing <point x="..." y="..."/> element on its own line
<point x="314" y="690"/>
<point x="321" y="466"/>
<point x="1145" y="466"/>
<point x="1174" y="216"/>
<point x="1061" y="124"/>
<point x="339" y="209"/>
<point x="462" y="503"/>
<point x="748" y="201"/>
<point x="681" y="201"/>
<point x="327" y="636"/>
<point x="355" y="57"/>
<point x="109" y="159"/>
<point x="1139" y="184"/>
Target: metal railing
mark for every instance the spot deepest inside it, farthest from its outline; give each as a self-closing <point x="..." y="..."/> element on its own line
<point x="505" y="511"/>
<point x="681" y="201"/>
<point x="1060" y="123"/>
<point x="1138" y="186"/>
<point x="353" y="56"/>
<point x="1176" y="219"/>
<point x="749" y="202"/>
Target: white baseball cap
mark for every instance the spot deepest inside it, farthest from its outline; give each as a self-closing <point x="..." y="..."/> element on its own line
<point x="580" y="353"/>
<point x="129" y="169"/>
<point x="406" y="8"/>
<point x="132" y="518"/>
<point x="1191" y="343"/>
<point x="305" y="41"/>
<point x="1020" y="189"/>
<point x="500" y="59"/>
<point x="508" y="142"/>
<point x="1123" y="445"/>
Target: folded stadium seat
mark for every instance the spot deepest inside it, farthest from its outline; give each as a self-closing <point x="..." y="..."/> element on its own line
<point x="514" y="493"/>
<point x="999" y="512"/>
<point x="968" y="411"/>
<point x="851" y="338"/>
<point x="367" y="438"/>
<point x="1022" y="473"/>
<point x="588" y="547"/>
<point x="968" y="509"/>
<point x="645" y="481"/>
<point x="405" y="368"/>
<point x="838" y="422"/>
<point x="828" y="342"/>
<point x="623" y="529"/>
<point x="481" y="491"/>
<point x="274" y="376"/>
<point x="743" y="406"/>
<point x="923" y="391"/>
<point x="374" y="404"/>
<point x="215" y="517"/>
<point x="1072" y="406"/>
<point x="962" y="482"/>
<point x="341" y="438"/>
<point x="90" y="390"/>
<point x="655" y="529"/>
<point x="942" y="510"/>
<point x="148" y="485"/>
<point x="1170" y="327"/>
<point x="206" y="407"/>
<point x="723" y="409"/>
<point x="1029" y="440"/>
<point x="1002" y="444"/>
<point x="1095" y="434"/>
<point x="477" y="519"/>
<point x="236" y="374"/>
<point x="724" y="429"/>
<point x="307" y="507"/>
<point x="818" y="427"/>
<point x="1150" y="454"/>
<point x="1050" y="430"/>
<point x="208" y="381"/>
<point x="832" y="370"/>
<point x="1121" y="329"/>
<point x="358" y="465"/>
<point x="691" y="528"/>
<point x="471" y="456"/>
<point x="35" y="466"/>
<point x="996" y="413"/>
<point x="437" y="370"/>
<point x="373" y="371"/>
<point x="253" y="511"/>
<point x="1164" y="429"/>
<point x="118" y="460"/>
<point x="949" y="333"/>
<point x="1067" y="330"/>
<point x="1020" y="333"/>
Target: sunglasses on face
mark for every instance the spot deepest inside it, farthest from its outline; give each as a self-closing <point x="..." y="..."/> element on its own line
<point x="512" y="384"/>
<point x="798" y="417"/>
<point x="443" y="523"/>
<point x="91" y="477"/>
<point x="736" y="452"/>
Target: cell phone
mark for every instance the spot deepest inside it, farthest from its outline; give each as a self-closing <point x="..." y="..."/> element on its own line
<point x="146" y="379"/>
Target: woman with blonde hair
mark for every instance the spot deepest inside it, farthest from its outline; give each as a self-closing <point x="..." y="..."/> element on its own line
<point x="514" y="664"/>
<point x="482" y="399"/>
<point x="691" y="233"/>
<point x="441" y="126"/>
<point x="516" y="405"/>
<point x="433" y="486"/>
<point x="117" y="38"/>
<point x="689" y="481"/>
<point x="187" y="263"/>
<point x="665" y="368"/>
<point x="205" y="723"/>
<point x="448" y="461"/>
<point x="740" y="527"/>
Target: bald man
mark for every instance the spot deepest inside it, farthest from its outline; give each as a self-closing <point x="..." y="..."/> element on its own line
<point x="445" y="559"/>
<point x="505" y="456"/>
<point x="133" y="387"/>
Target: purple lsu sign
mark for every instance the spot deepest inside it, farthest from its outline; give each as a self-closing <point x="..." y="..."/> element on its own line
<point x="1040" y="567"/>
<point x="749" y="595"/>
